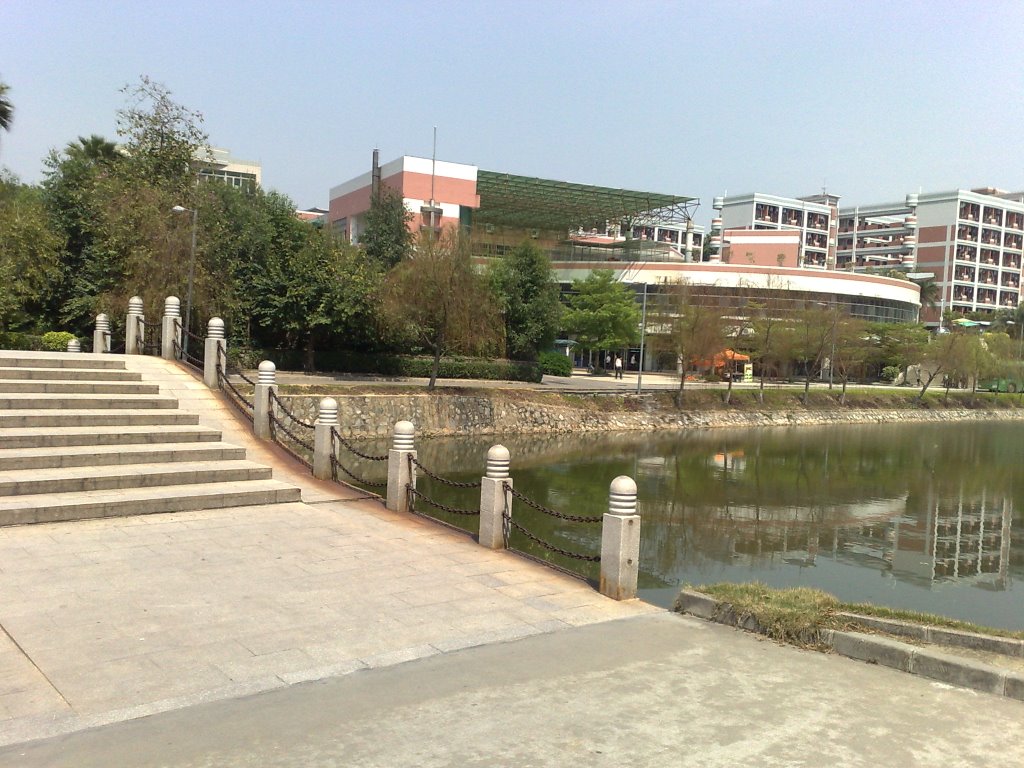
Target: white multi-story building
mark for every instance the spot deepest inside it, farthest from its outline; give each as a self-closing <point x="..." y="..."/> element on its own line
<point x="814" y="217"/>
<point x="218" y="164"/>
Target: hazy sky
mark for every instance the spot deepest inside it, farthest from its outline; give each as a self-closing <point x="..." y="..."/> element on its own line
<point x="872" y="99"/>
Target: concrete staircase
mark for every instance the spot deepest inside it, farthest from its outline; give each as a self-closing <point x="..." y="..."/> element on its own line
<point x="81" y="437"/>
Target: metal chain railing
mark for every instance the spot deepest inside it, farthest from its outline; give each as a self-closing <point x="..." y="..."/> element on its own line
<point x="541" y="508"/>
<point x="276" y="423"/>
<point x="148" y="347"/>
<point x="336" y="465"/>
<point x="240" y="401"/>
<point x="179" y="352"/>
<point x="368" y="456"/>
<point x="442" y="480"/>
<point x="508" y="524"/>
<point x="414" y="494"/>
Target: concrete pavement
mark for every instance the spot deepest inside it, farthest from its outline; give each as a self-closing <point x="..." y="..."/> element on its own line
<point x="645" y="691"/>
<point x="105" y="620"/>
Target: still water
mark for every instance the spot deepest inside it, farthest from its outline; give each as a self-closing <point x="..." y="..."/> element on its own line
<point x="928" y="517"/>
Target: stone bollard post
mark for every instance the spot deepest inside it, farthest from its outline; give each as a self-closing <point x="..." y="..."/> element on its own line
<point x="74" y="345"/>
<point x="170" y="328"/>
<point x="323" y="442"/>
<point x="494" y="499"/>
<point x="400" y="474"/>
<point x="101" y="336"/>
<point x="265" y="384"/>
<point x="620" y="541"/>
<point x="216" y="351"/>
<point x="134" y="330"/>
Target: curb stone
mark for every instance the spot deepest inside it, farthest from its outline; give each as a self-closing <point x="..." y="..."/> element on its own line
<point x="946" y="668"/>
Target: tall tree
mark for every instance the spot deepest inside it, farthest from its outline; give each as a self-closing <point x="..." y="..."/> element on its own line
<point x="386" y="237"/>
<point x="437" y="300"/>
<point x="603" y="313"/>
<point x="691" y="327"/>
<point x="529" y="295"/>
<point x="903" y="345"/>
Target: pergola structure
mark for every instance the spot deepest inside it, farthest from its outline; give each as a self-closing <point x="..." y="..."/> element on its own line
<point x="526" y="201"/>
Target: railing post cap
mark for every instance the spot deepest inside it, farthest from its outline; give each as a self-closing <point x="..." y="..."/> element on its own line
<point x="498" y="462"/>
<point x="74" y="345"/>
<point x="327" y="413"/>
<point x="403" y="436"/>
<point x="135" y="305"/>
<point x="172" y="306"/>
<point x="267" y="372"/>
<point x="404" y="428"/>
<point x="215" y="328"/>
<point x="102" y="322"/>
<point x="622" y="496"/>
<point x="623" y="485"/>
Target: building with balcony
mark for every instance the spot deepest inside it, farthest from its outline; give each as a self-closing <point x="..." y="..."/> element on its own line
<point x="814" y="218"/>
<point x="969" y="241"/>
<point x="218" y="165"/>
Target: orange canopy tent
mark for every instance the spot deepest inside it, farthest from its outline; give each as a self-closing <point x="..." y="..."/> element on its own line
<point x="722" y="358"/>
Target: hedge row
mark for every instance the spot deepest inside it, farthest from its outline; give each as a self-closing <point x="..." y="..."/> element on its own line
<point x="391" y="365"/>
<point x="555" y="364"/>
<point x="27" y="341"/>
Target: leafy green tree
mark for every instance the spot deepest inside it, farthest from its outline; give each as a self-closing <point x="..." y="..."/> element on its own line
<point x="529" y="297"/>
<point x="853" y="349"/>
<point x="602" y="314"/>
<point x="386" y="237"/>
<point x="948" y="353"/>
<point x="29" y="252"/>
<point x="318" y="289"/>
<point x="903" y="344"/>
<point x="437" y="300"/>
<point x="812" y="336"/>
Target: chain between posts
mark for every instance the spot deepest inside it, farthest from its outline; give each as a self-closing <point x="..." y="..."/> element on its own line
<point x="507" y="524"/>
<point x="274" y="399"/>
<point x="414" y="494"/>
<point x="336" y="465"/>
<point x="234" y="395"/>
<point x="443" y="480"/>
<point x="223" y="356"/>
<point x="540" y="508"/>
<point x="368" y="456"/>
<point x="276" y="423"/>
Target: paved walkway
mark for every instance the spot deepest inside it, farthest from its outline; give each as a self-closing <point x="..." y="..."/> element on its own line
<point x="105" y="620"/>
<point x="656" y="691"/>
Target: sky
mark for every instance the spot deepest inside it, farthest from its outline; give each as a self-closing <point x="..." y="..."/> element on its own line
<point x="869" y="100"/>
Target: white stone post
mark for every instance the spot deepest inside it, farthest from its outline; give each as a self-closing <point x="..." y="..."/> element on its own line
<point x="215" y="345"/>
<point x="494" y="498"/>
<point x="170" y="327"/>
<point x="265" y="384"/>
<point x="101" y="336"/>
<point x="134" y="330"/>
<point x="323" y="442"/>
<point x="620" y="541"/>
<point x="400" y="472"/>
<point x="74" y="345"/>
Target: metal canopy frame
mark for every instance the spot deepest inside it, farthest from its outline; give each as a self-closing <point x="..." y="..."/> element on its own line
<point x="526" y="201"/>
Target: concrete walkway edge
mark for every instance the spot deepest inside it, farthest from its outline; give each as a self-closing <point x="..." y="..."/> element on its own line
<point x="945" y="668"/>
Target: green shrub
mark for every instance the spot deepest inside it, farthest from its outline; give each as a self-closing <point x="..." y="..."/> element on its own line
<point x="555" y="364"/>
<point x="25" y="341"/>
<point x="890" y="372"/>
<point x="56" y="341"/>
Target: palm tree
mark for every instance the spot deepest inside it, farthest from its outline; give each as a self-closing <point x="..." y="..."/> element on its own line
<point x="95" y="148"/>
<point x="6" y="108"/>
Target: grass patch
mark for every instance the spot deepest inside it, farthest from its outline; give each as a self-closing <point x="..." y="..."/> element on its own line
<point x="797" y="615"/>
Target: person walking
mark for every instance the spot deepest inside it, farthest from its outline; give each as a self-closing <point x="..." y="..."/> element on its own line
<point x="618" y="367"/>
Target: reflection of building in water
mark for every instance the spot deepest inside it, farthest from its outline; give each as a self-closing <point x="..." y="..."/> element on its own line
<point x="953" y="537"/>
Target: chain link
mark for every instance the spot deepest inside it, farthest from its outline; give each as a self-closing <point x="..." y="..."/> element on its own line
<point x="352" y="448"/>
<point x="284" y="409"/>
<point x="551" y="547"/>
<point x="443" y="480"/>
<point x="222" y="353"/>
<point x="336" y="465"/>
<point x="276" y="422"/>
<point x="414" y="494"/>
<point x="225" y="381"/>
<point x="540" y="508"/>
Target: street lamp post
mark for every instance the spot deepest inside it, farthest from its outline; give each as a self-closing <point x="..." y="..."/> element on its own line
<point x="191" y="272"/>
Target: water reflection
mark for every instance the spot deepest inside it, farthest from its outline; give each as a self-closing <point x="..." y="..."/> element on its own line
<point x="914" y="516"/>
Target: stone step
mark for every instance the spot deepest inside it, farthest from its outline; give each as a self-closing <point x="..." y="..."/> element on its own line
<point x="59" y="436"/>
<point x="48" y="508"/>
<point x="31" y="418"/>
<point x="22" y="482"/>
<point x="68" y="374"/>
<point x="78" y="387"/>
<point x="15" y="359"/>
<point x="19" y="400"/>
<point x="99" y="455"/>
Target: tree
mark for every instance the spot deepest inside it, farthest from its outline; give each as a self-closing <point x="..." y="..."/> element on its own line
<point x="529" y="296"/>
<point x="690" y="327"/>
<point x="853" y="349"/>
<point x="437" y="300"/>
<point x="812" y="337"/>
<point x="948" y="353"/>
<point x="6" y="108"/>
<point x="29" y="251"/>
<point x="767" y="329"/>
<point x="903" y="344"/>
<point x="602" y="313"/>
<point x="386" y="237"/>
<point x="321" y="288"/>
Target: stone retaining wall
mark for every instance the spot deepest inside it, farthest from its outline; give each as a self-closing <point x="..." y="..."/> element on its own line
<point x="374" y="415"/>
